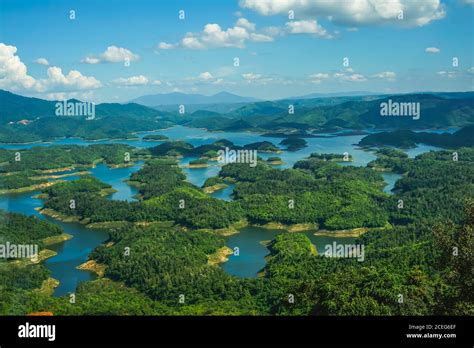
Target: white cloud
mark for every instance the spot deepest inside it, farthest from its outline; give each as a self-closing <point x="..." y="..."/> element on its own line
<point x="13" y="72"/>
<point x="112" y="54"/>
<point x="346" y="75"/>
<point x="165" y="46"/>
<point x="91" y="60"/>
<point x="307" y="27"/>
<point x="41" y="61"/>
<point x="206" y="76"/>
<point x="448" y="74"/>
<point x="432" y="50"/>
<point x="139" y="80"/>
<point x="213" y="36"/>
<point x="350" y="77"/>
<point x="251" y="76"/>
<point x="471" y="70"/>
<point x="357" y="12"/>
<point x="245" y="23"/>
<point x="386" y="75"/>
<point x="317" y="78"/>
<point x="468" y="2"/>
<point x="273" y="31"/>
<point x="74" y="80"/>
<point x="192" y="43"/>
<point x="14" y="76"/>
<point x="260" y="37"/>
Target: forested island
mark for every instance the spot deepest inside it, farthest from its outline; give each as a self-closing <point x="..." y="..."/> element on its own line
<point x="160" y="257"/>
<point x="408" y="138"/>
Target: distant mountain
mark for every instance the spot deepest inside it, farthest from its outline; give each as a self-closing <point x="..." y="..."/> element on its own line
<point x="177" y="98"/>
<point x="15" y="107"/>
<point x="39" y="121"/>
<point x="358" y="113"/>
<point x="190" y="108"/>
<point x="452" y="95"/>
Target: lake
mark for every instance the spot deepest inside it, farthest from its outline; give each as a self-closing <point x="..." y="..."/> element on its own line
<point x="252" y="253"/>
<point x="251" y="257"/>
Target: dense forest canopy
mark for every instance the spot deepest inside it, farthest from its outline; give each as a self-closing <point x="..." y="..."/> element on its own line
<point x="157" y="260"/>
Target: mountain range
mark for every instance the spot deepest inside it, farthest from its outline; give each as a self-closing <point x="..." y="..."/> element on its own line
<point x="24" y="119"/>
<point x="177" y="98"/>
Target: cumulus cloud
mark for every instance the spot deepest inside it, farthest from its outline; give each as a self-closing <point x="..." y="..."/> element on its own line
<point x="206" y="76"/>
<point x="112" y="54"/>
<point x="165" y="46"/>
<point x="317" y="78"/>
<point x="260" y="37"/>
<point x="468" y="2"/>
<point x="74" y="80"/>
<point x="13" y="72"/>
<point x="251" y="76"/>
<point x="432" y="50"/>
<point x="14" y="76"/>
<point x="139" y="80"/>
<point x="259" y="79"/>
<point x="356" y="12"/>
<point x="214" y="36"/>
<point x="471" y="70"/>
<point x="386" y="75"/>
<point x="350" y="77"/>
<point x="346" y="75"/>
<point x="245" y="23"/>
<point x="307" y="27"/>
<point x="41" y="61"/>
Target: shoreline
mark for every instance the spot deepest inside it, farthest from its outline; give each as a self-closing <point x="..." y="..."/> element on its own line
<point x="351" y="232"/>
<point x="301" y="227"/>
<point x="59" y="216"/>
<point x="29" y="188"/>
<point x="214" y="188"/>
<point x="57" y="239"/>
<point x="220" y="256"/>
<point x="94" y="267"/>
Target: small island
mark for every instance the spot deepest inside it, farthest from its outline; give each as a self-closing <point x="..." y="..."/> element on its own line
<point x="155" y="137"/>
<point x="198" y="163"/>
<point x="294" y="144"/>
<point x="274" y="160"/>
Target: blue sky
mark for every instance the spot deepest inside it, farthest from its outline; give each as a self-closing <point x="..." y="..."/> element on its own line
<point x="391" y="46"/>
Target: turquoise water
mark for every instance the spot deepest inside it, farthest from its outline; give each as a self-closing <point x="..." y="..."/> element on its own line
<point x="390" y="179"/>
<point x="75" y="251"/>
<point x="252" y="252"/>
<point x="224" y="194"/>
